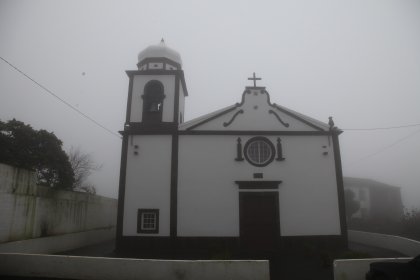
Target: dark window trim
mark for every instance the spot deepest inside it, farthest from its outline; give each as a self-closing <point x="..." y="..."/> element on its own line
<point x="258" y="184"/>
<point x="139" y="220"/>
<point x="264" y="139"/>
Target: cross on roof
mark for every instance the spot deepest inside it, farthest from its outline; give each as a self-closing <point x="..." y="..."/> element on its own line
<point x="254" y="79"/>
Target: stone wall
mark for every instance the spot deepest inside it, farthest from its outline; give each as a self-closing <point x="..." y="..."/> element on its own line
<point x="31" y="211"/>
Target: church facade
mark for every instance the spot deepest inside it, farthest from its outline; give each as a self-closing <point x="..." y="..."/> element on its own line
<point x="250" y="179"/>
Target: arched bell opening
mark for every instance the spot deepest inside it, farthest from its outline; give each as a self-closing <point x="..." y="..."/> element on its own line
<point x="153" y="101"/>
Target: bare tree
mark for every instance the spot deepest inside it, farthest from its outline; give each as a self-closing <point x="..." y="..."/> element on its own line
<point x="83" y="166"/>
<point x="89" y="188"/>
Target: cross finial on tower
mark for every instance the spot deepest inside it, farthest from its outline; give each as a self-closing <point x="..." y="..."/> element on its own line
<point x="254" y="79"/>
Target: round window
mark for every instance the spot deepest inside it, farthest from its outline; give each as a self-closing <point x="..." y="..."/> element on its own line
<point x="259" y="151"/>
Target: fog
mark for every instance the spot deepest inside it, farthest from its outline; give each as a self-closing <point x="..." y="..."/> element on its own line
<point x="358" y="61"/>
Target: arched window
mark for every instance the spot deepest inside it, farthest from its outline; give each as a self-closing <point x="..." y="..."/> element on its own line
<point x="153" y="101"/>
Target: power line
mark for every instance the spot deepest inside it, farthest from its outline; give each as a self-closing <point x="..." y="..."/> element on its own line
<point x="60" y="99"/>
<point x="381" y="128"/>
<point x="113" y="133"/>
<point x="387" y="147"/>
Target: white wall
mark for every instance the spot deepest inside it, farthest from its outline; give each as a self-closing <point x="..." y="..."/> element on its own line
<point x="208" y="199"/>
<point x="148" y="180"/>
<point x="31" y="211"/>
<point x="139" y="82"/>
<point x="256" y="116"/>
<point x="75" y="267"/>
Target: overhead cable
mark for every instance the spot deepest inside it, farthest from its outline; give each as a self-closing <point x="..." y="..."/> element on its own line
<point x="61" y="99"/>
<point x="381" y="128"/>
<point x="387" y="147"/>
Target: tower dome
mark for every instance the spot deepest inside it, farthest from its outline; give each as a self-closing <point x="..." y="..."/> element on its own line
<point x="159" y="56"/>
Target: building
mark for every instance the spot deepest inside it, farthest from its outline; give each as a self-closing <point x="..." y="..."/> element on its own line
<point x="250" y="179"/>
<point x="378" y="201"/>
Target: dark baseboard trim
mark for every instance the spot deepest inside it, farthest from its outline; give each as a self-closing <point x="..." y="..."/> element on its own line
<point x="220" y="247"/>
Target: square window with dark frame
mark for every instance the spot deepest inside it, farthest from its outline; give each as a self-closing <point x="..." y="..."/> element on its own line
<point x="148" y="221"/>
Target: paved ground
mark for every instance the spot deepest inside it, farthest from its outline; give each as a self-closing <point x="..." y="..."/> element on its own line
<point x="310" y="266"/>
<point x="104" y="249"/>
<point x="374" y="252"/>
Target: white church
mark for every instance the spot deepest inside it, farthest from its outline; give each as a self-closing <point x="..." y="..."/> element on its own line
<point x="252" y="179"/>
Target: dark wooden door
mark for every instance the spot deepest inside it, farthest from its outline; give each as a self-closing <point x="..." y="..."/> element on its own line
<point x="259" y="222"/>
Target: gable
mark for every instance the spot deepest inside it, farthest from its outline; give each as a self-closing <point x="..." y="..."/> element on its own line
<point x="256" y="113"/>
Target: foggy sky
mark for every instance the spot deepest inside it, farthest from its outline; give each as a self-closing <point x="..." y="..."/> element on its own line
<point x="358" y="61"/>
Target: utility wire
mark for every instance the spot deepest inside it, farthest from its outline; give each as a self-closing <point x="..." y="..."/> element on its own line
<point x="113" y="133"/>
<point x="60" y="99"/>
<point x="387" y="147"/>
<point x="381" y="128"/>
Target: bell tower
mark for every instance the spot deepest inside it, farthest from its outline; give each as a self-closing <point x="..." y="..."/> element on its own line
<point x="149" y="157"/>
<point x="157" y="89"/>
